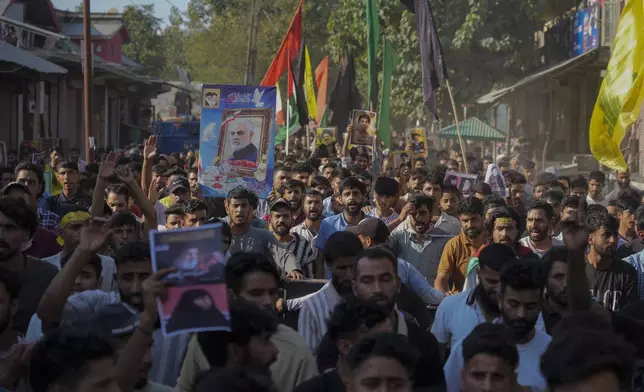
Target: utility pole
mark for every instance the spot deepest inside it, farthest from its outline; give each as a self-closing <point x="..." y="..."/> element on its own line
<point x="251" y="58"/>
<point x="87" y="78"/>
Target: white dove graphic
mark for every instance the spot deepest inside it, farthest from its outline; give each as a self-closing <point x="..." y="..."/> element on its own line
<point x="257" y="98"/>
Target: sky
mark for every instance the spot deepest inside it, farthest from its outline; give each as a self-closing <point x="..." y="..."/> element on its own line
<point x="161" y="7"/>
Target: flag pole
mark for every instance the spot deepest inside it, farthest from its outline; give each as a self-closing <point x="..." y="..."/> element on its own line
<point x="288" y="122"/>
<point x="458" y="126"/>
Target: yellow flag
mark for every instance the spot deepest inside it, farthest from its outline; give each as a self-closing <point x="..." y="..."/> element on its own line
<point x="309" y="90"/>
<point x="621" y="92"/>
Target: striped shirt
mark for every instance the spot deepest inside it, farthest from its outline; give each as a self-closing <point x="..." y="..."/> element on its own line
<point x="314" y="314"/>
<point x="387" y="220"/>
<point x="303" y="231"/>
<point x="303" y="252"/>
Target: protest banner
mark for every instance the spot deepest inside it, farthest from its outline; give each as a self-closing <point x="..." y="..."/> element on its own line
<point x="326" y="136"/>
<point x="197" y="298"/>
<point x="364" y="129"/>
<point x="494" y="178"/>
<point x="400" y="157"/>
<point x="463" y="181"/>
<point x="236" y="139"/>
<point x="38" y="158"/>
<point x="415" y="139"/>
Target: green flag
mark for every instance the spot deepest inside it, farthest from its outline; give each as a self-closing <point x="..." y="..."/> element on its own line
<point x="390" y="62"/>
<point x="373" y="32"/>
<point x="293" y="123"/>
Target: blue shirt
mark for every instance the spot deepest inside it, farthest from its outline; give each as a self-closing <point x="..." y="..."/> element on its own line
<point x="329" y="226"/>
<point x="637" y="261"/>
<point x="327" y="211"/>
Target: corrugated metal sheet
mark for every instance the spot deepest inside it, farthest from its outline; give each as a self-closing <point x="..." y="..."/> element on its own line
<point x="473" y="129"/>
<point x="105" y="30"/>
<point x="12" y="54"/>
<point x="497" y="94"/>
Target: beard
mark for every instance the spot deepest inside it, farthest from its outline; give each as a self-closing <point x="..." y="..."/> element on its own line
<point x="281" y="229"/>
<point x="134" y="300"/>
<point x="295" y="205"/>
<point x="560" y="298"/>
<point x="382" y="300"/>
<point x="473" y="233"/>
<point x="313" y="215"/>
<point x="606" y="251"/>
<point x="521" y="327"/>
<point x="538" y="235"/>
<point x="353" y="209"/>
<point x="6" y="252"/>
<point x="343" y="287"/>
<point x="487" y="298"/>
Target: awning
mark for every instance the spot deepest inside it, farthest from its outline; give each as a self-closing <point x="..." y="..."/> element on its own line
<point x="12" y="54"/>
<point x="495" y="95"/>
<point x="473" y="129"/>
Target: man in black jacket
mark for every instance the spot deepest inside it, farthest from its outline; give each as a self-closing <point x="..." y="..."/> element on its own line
<point x="376" y="280"/>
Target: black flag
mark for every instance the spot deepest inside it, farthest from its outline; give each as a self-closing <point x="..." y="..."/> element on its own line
<point x="345" y="97"/>
<point x="300" y="97"/>
<point x="431" y="52"/>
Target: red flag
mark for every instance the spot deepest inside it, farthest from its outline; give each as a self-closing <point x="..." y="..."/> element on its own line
<point x="288" y="50"/>
<point x="322" y="82"/>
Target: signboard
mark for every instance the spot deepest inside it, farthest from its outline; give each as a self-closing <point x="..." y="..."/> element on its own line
<point x="586" y="34"/>
<point x="197" y="297"/>
<point x="463" y="181"/>
<point x="236" y="139"/>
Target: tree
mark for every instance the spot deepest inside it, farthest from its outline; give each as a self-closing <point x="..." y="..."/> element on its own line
<point x="173" y="46"/>
<point x="483" y="43"/>
<point x="217" y="36"/>
<point x="146" y="42"/>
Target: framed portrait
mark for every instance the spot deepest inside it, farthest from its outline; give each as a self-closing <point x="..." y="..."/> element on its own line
<point x="244" y="137"/>
<point x="211" y="97"/>
<point x="364" y="128"/>
<point x="326" y="136"/>
<point x="415" y="139"/>
<point x="400" y="157"/>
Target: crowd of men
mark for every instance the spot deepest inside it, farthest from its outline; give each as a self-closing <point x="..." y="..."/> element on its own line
<point x="404" y="283"/>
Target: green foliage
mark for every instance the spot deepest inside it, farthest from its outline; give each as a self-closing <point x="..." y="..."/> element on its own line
<point x="146" y="44"/>
<point x="484" y="42"/>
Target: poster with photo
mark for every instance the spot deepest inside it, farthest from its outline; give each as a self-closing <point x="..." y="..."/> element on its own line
<point x="236" y="139"/>
<point x="415" y="139"/>
<point x="494" y="178"/>
<point x="326" y="136"/>
<point x="197" y="295"/>
<point x="400" y="157"/>
<point x="364" y="128"/>
<point x="463" y="181"/>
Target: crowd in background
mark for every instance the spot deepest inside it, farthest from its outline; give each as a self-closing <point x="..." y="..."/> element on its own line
<point x="415" y="286"/>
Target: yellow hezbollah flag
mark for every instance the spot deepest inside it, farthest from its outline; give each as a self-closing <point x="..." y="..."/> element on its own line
<point x="621" y="93"/>
<point x="309" y="90"/>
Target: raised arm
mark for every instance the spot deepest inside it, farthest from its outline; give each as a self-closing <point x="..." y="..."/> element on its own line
<point x="147" y="208"/>
<point x="92" y="238"/>
<point x="149" y="158"/>
<point x="105" y="171"/>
